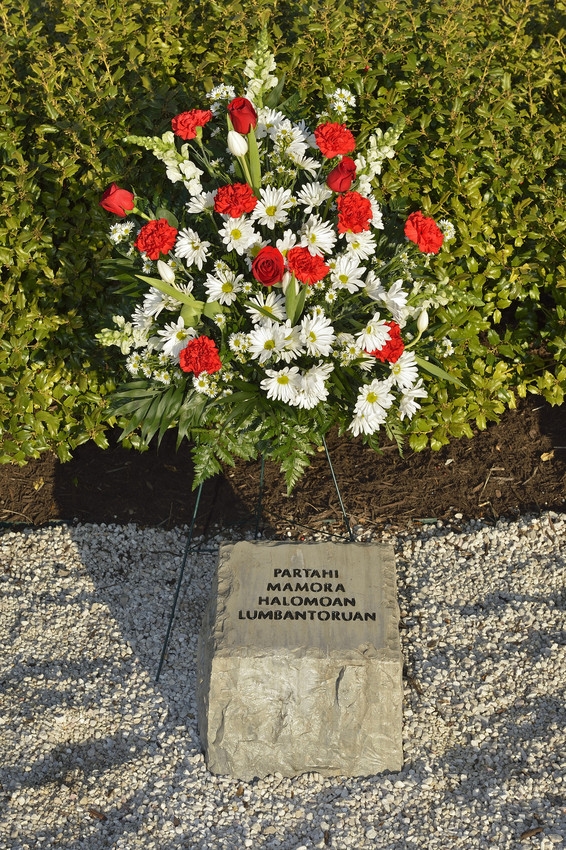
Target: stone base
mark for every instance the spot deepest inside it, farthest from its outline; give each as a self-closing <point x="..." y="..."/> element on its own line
<point x="300" y="665"/>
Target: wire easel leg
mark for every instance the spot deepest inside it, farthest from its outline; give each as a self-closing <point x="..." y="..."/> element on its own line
<point x="346" y="521"/>
<point x="260" y="497"/>
<point x="179" y="582"/>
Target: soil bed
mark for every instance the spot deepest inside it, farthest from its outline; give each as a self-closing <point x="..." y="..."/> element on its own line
<point x="515" y="467"/>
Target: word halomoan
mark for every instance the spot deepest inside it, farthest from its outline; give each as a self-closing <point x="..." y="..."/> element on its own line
<point x="307" y="615"/>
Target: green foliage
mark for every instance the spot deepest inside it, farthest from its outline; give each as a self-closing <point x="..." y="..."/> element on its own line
<point x="481" y="88"/>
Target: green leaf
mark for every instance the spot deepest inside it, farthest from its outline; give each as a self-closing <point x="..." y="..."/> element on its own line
<point x="253" y="158"/>
<point x="437" y="371"/>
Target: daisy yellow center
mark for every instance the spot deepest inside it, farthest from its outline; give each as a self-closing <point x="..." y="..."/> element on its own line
<point x="271" y="210"/>
<point x="269" y="344"/>
<point x="372" y="398"/>
<point x="343" y="278"/>
<point x="283" y="379"/>
<point x="312" y="336"/>
<point x="181" y="335"/>
<point x="227" y="286"/>
<point x="236" y="234"/>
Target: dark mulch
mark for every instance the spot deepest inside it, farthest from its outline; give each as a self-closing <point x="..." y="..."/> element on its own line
<point x="514" y="467"/>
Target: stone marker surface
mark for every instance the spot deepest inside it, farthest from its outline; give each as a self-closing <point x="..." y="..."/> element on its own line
<point x="299" y="662"/>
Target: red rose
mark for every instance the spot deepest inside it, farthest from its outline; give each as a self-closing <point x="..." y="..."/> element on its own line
<point x="269" y="266"/>
<point x="354" y="213"/>
<point x="425" y="232"/>
<point x="200" y="355"/>
<point x="185" y="125"/>
<point x="116" y="200"/>
<point x="341" y="178"/>
<point x="242" y="115"/>
<point x="155" y="238"/>
<point x="393" y="348"/>
<point x="306" y="267"/>
<point x="334" y="139"/>
<point x="235" y="200"/>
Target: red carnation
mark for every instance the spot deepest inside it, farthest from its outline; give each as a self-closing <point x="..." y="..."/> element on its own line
<point x="306" y="267"/>
<point x="269" y="266"/>
<point x="334" y="139"/>
<point x="185" y="125"/>
<point x="354" y="213"/>
<point x="341" y="178"/>
<point x="425" y="232"/>
<point x="242" y="115"/>
<point x="235" y="200"/>
<point x="155" y="238"/>
<point x="393" y="348"/>
<point x="116" y="200"/>
<point x="200" y="355"/>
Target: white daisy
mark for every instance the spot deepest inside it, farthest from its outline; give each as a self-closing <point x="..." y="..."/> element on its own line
<point x="206" y="384"/>
<point x="267" y="340"/>
<point x="377" y="218"/>
<point x="174" y="337"/>
<point x="223" y="288"/>
<point x="201" y="203"/>
<point x="133" y="363"/>
<point x="317" y="236"/>
<point x="408" y="405"/>
<point x="447" y="228"/>
<point x="191" y="248"/>
<point x="289" y="140"/>
<point x="282" y="385"/>
<point x="273" y="304"/>
<point x="313" y="387"/>
<point x="121" y="231"/>
<point x="307" y="163"/>
<point x="375" y="399"/>
<point x="313" y="195"/>
<point x="361" y="245"/>
<point x="162" y="376"/>
<point x="394" y="298"/>
<point x="404" y="372"/>
<point x="155" y="301"/>
<point x="293" y="346"/>
<point x="288" y="241"/>
<point x="347" y="274"/>
<point x="268" y="121"/>
<point x="141" y="320"/>
<point x="238" y="234"/>
<point x="374" y="335"/>
<point x="240" y="343"/>
<point x="317" y="334"/>
<point x="363" y="423"/>
<point x="271" y="209"/>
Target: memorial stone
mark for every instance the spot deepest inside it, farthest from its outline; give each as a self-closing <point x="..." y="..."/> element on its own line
<point x="300" y="665"/>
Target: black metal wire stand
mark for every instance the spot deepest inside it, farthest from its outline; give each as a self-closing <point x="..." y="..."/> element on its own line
<point x="350" y="539"/>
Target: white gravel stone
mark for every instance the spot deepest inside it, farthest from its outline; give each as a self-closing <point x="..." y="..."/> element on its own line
<point x="96" y="755"/>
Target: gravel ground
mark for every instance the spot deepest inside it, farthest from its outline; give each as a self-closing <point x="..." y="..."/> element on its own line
<point x="96" y="755"/>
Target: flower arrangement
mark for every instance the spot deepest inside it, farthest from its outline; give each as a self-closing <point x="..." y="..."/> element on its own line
<point x="275" y="298"/>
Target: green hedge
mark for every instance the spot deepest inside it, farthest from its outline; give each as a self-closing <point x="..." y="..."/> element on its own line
<point x="479" y="83"/>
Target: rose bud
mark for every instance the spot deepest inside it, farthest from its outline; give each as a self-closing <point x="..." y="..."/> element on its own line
<point x="117" y="201"/>
<point x="269" y="266"/>
<point x="242" y="115"/>
<point x="341" y="178"/>
<point x="237" y="144"/>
